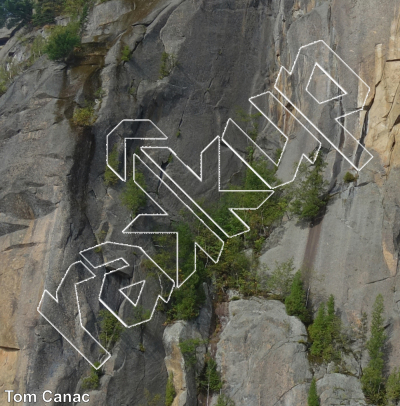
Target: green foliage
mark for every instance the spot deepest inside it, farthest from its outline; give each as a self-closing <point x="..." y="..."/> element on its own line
<point x="187" y="300"/>
<point x="280" y="281"/>
<point x="15" y="12"/>
<point x="295" y="302"/>
<point x="151" y="400"/>
<point x="168" y="62"/>
<point x="99" y="93"/>
<point x="62" y="41"/>
<point x="126" y="54"/>
<point x="224" y="400"/>
<point x="250" y="120"/>
<point x="7" y="74"/>
<point x="37" y="48"/>
<point x="170" y="392"/>
<point x="393" y="387"/>
<point x="140" y="314"/>
<point x="77" y="9"/>
<point x="132" y="197"/>
<point x="372" y="379"/>
<point x="210" y="378"/>
<point x="313" y="399"/>
<point x="307" y="193"/>
<point x="110" y="328"/>
<point x="325" y="332"/>
<point x="189" y="348"/>
<point x="93" y="380"/>
<point x="110" y="178"/>
<point x="349" y="177"/>
<point x="84" y="116"/>
<point x="46" y="11"/>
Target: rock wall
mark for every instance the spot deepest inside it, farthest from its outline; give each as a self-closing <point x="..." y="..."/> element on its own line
<point x="53" y="201"/>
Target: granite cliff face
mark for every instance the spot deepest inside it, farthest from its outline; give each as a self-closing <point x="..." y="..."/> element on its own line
<point x="54" y="203"/>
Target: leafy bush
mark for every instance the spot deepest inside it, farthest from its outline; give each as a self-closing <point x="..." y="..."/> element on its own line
<point x="126" y="54"/>
<point x="313" y="399"/>
<point x="110" y="178"/>
<point x="224" y="400"/>
<point x="325" y="332"/>
<point x="295" y="302"/>
<point x="93" y="380"/>
<point x="210" y="379"/>
<point x="84" y="116"/>
<point x="110" y="328"/>
<point x="15" y="12"/>
<point x="62" y="41"/>
<point x="349" y="177"/>
<point x="170" y="392"/>
<point x="132" y="197"/>
<point x="393" y="387"/>
<point x="372" y="380"/>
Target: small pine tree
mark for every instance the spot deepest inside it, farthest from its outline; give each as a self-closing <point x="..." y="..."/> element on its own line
<point x="325" y="331"/>
<point x="313" y="399"/>
<point x="295" y="302"/>
<point x="393" y="387"/>
<point x="308" y="195"/>
<point x="372" y="380"/>
<point x="317" y="332"/>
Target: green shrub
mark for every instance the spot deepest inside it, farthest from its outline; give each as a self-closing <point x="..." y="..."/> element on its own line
<point x="7" y="74"/>
<point x="84" y="116"/>
<point x="224" y="400"/>
<point x="210" y="379"/>
<point x="393" y="387"/>
<point x="38" y="47"/>
<point x="250" y="120"/>
<point x="188" y="349"/>
<point x="99" y="93"/>
<point x="110" y="328"/>
<point x="77" y="9"/>
<point x="62" y="41"/>
<point x="151" y="400"/>
<point x="349" y="177"/>
<point x="46" y="11"/>
<point x="170" y="392"/>
<point x="15" y="12"/>
<point x="280" y="281"/>
<point x="313" y="399"/>
<point x="132" y="196"/>
<point x="126" y="54"/>
<point x="168" y="62"/>
<point x="110" y="178"/>
<point x="307" y="194"/>
<point x="295" y="302"/>
<point x="93" y="380"/>
<point x="372" y="380"/>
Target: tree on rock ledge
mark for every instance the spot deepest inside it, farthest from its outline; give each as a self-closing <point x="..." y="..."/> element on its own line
<point x="296" y="301"/>
<point x="313" y="399"/>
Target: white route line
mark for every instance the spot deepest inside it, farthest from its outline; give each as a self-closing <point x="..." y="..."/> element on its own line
<point x="199" y="176"/>
<point x="336" y="119"/>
